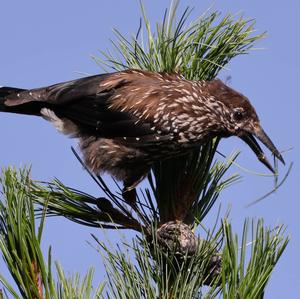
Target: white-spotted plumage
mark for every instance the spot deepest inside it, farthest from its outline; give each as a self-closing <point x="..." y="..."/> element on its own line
<point x="128" y="120"/>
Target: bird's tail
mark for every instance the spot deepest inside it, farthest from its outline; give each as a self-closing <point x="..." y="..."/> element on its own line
<point x="9" y="92"/>
<point x="4" y="92"/>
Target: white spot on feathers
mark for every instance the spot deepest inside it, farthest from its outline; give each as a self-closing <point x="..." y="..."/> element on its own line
<point x="182" y="138"/>
<point x="173" y="105"/>
<point x="186" y="91"/>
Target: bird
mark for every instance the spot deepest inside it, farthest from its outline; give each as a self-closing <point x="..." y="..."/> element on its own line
<point x="127" y="120"/>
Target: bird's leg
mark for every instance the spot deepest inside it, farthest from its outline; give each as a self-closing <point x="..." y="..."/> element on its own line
<point x="129" y="196"/>
<point x="129" y="191"/>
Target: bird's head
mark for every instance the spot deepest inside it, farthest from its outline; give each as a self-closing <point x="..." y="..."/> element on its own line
<point x="239" y="118"/>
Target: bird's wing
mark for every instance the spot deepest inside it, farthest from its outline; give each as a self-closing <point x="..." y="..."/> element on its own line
<point x="87" y="102"/>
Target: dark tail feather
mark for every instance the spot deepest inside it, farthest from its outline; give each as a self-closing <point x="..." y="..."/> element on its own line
<point x="4" y="92"/>
<point x="28" y="108"/>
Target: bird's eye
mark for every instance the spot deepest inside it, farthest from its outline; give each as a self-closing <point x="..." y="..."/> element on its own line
<point x="238" y="115"/>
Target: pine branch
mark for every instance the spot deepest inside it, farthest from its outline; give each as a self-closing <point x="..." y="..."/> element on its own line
<point x="155" y="273"/>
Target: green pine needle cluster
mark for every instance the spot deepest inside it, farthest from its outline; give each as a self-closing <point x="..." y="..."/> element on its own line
<point x="247" y="266"/>
<point x="20" y="245"/>
<point x="198" y="50"/>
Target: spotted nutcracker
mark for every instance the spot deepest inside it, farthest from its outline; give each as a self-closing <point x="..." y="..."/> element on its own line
<point x="125" y="121"/>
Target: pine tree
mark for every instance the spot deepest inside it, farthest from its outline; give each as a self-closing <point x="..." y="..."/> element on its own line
<point x="169" y="257"/>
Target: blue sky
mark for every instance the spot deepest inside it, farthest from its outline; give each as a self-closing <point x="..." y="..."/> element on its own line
<point x="45" y="42"/>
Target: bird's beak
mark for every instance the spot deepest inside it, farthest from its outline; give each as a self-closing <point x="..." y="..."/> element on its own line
<point x="263" y="137"/>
